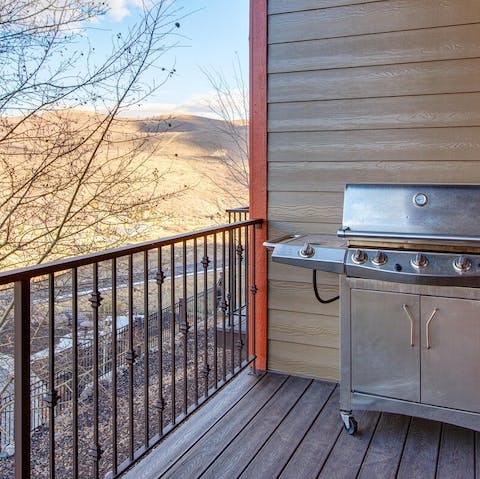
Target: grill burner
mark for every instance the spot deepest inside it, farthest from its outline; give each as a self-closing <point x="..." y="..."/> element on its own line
<point x="408" y="257"/>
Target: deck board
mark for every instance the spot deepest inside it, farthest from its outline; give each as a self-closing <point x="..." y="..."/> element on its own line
<point x="199" y="458"/>
<point x="270" y="460"/>
<point x="457" y="453"/>
<point x="182" y="439"/>
<point x="242" y="449"/>
<point x="477" y="455"/>
<point x="348" y="453"/>
<point x="421" y="450"/>
<point x="385" y="450"/>
<point x="316" y="445"/>
<point x="286" y="427"/>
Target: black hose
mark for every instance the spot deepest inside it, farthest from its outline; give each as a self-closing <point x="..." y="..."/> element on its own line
<point x="315" y="290"/>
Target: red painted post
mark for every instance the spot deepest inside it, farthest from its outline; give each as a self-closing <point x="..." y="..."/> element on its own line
<point x="258" y="169"/>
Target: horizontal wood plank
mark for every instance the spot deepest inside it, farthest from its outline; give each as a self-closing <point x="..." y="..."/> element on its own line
<point x="304" y="360"/>
<point x="375" y="17"/>
<point x="436" y="144"/>
<point x="283" y="6"/>
<point x="462" y="109"/>
<point x="291" y="296"/>
<point x="306" y="206"/>
<point x="303" y="328"/>
<point x="280" y="272"/>
<point x="446" y="43"/>
<point x="361" y="92"/>
<point x="279" y="228"/>
<point x="302" y="176"/>
<point x="453" y="76"/>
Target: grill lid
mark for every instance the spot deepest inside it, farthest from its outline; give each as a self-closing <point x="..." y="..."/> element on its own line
<point x="436" y="214"/>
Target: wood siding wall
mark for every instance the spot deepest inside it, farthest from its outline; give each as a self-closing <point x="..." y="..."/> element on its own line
<point x="358" y="91"/>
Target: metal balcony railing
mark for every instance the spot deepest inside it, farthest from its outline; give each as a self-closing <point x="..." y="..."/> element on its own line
<point x="240" y="213"/>
<point x="113" y="350"/>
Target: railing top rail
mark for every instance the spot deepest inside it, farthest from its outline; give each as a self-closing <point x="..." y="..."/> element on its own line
<point x="238" y="209"/>
<point x="29" y="272"/>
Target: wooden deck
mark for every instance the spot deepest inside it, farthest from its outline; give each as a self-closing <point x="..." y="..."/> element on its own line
<point x="288" y="427"/>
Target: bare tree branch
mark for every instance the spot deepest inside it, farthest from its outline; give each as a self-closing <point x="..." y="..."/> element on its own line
<point x="230" y="104"/>
<point x="62" y="173"/>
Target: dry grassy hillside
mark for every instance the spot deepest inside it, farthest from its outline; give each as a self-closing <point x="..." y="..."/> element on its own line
<point x="190" y="152"/>
<point x="140" y="179"/>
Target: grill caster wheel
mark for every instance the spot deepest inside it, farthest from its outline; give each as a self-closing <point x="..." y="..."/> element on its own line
<point x="349" y="422"/>
<point x="352" y="427"/>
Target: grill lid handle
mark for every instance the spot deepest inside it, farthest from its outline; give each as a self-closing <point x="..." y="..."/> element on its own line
<point x="348" y="233"/>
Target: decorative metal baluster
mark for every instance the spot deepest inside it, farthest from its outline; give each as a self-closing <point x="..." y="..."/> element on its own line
<point x="246" y="275"/>
<point x="146" y="355"/>
<point x="238" y="280"/>
<point x="95" y="301"/>
<point x="114" y="369"/>
<point x="160" y="404"/>
<point x="206" y="366"/>
<point x="51" y="398"/>
<point x="172" y="332"/>
<point x="130" y="357"/>
<point x="215" y="309"/>
<point x="224" y="307"/>
<point x="231" y="298"/>
<point x="184" y="327"/>
<point x="75" y="371"/>
<point x="195" y="317"/>
<point x="22" y="414"/>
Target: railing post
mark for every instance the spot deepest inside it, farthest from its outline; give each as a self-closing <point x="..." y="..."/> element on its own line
<point x="22" y="378"/>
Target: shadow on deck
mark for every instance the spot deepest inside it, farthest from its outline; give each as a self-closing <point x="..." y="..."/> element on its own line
<point x="283" y="426"/>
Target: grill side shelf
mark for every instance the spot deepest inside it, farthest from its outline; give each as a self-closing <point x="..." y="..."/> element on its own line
<point x="324" y="259"/>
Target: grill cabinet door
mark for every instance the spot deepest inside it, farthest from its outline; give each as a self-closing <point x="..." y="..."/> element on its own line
<point x="450" y="366"/>
<point x="384" y="326"/>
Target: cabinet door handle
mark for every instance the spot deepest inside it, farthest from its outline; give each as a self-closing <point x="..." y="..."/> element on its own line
<point x="410" y="317"/>
<point x="427" y="327"/>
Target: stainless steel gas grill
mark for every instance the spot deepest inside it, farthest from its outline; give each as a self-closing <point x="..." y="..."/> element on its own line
<point x="409" y="260"/>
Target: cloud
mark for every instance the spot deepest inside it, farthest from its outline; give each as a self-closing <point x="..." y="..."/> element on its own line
<point x="154" y="109"/>
<point x="119" y="9"/>
<point x="198" y="104"/>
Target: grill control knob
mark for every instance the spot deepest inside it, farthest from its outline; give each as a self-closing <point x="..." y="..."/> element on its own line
<point x="307" y="251"/>
<point x="380" y="259"/>
<point x="359" y="256"/>
<point x="462" y="263"/>
<point x="420" y="261"/>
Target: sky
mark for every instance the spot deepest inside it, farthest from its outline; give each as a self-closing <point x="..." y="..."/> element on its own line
<point x="212" y="35"/>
